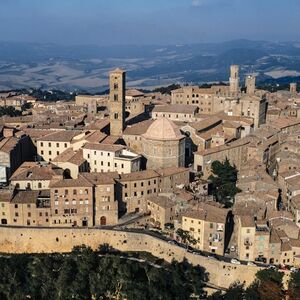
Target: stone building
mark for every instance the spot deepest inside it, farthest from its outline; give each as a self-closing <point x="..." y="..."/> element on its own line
<point x="228" y="99"/>
<point x="179" y="112"/>
<point x="35" y="176"/>
<point x="110" y="158"/>
<point x="133" y="188"/>
<point x="208" y="225"/>
<point x="117" y="102"/>
<point x="162" y="210"/>
<point x="106" y="205"/>
<point x="14" y="150"/>
<point x="72" y="162"/>
<point x="163" y="145"/>
<point x="72" y="202"/>
<point x="30" y="208"/>
<point x="53" y="144"/>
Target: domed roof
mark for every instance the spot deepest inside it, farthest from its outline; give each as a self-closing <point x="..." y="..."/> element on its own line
<point x="163" y="129"/>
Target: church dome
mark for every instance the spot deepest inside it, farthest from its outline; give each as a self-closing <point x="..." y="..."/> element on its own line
<point x="163" y="129"/>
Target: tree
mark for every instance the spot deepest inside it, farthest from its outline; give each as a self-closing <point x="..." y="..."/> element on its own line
<point x="223" y="182"/>
<point x="186" y="237"/>
<point x="294" y="286"/>
<point x="268" y="285"/>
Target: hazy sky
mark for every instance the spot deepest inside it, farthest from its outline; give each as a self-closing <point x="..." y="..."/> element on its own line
<point x="107" y="22"/>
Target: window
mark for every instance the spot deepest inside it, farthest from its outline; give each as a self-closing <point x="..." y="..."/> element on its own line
<point x="115" y="97"/>
<point x="49" y="144"/>
<point x="42" y="152"/>
<point x="57" y="152"/>
<point x="29" y="214"/>
<point x="66" y="145"/>
<point x="28" y="205"/>
<point x="42" y="144"/>
<point x="211" y="225"/>
<point x="16" y="214"/>
<point x="56" y="211"/>
<point x="39" y="185"/>
<point x="16" y="205"/>
<point x="57" y="145"/>
<point x="115" y="86"/>
<point x="116" y="116"/>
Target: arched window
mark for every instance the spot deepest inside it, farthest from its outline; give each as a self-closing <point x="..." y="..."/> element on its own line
<point x="116" y="116"/>
<point x="102" y="221"/>
<point x="39" y="185"/>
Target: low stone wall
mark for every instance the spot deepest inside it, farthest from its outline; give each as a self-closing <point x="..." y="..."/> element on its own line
<point x="48" y="240"/>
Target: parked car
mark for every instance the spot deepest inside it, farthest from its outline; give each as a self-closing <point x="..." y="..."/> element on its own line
<point x="272" y="267"/>
<point x="212" y="257"/>
<point x="235" y="261"/>
<point x="232" y="248"/>
<point x="293" y="269"/>
<point x="250" y="263"/>
<point x="261" y="259"/>
<point x="171" y="242"/>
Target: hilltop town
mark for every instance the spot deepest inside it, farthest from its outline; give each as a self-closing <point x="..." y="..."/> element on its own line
<point x="145" y="162"/>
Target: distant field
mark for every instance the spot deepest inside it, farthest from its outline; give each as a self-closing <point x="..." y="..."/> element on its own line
<point x="86" y="68"/>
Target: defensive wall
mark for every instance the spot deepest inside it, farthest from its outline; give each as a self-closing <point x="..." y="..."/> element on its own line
<point x="48" y="240"/>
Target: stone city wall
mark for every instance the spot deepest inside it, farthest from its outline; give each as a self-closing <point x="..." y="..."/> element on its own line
<point x="48" y="240"/>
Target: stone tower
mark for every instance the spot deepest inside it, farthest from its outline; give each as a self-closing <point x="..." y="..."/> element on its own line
<point x="250" y="84"/>
<point x="234" y="79"/>
<point x="117" y="101"/>
<point x="293" y="88"/>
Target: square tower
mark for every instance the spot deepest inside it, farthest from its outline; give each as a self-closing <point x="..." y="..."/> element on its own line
<point x="250" y="84"/>
<point x="117" y="101"/>
<point x="234" y="81"/>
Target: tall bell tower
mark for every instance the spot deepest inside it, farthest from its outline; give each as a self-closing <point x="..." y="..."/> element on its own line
<point x="117" y="88"/>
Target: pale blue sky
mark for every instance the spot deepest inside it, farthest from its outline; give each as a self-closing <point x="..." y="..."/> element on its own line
<point x="107" y="22"/>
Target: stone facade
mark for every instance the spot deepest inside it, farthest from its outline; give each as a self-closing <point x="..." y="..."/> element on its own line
<point x="32" y="240"/>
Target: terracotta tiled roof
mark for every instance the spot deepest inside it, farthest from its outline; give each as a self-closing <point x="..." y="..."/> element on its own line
<point x="103" y="147"/>
<point x="138" y="128"/>
<point x="61" y="136"/>
<point x="71" y="156"/>
<point x="141" y="175"/>
<point x="161" y="201"/>
<point x="98" y="178"/>
<point x="208" y="213"/>
<point x="35" y="171"/>
<point x="178" y="108"/>
<point x="81" y="181"/>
